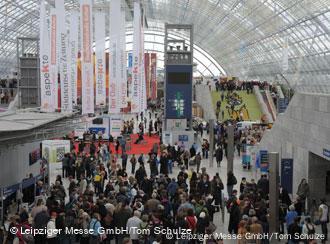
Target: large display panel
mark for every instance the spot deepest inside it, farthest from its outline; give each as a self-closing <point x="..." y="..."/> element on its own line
<point x="178" y="92"/>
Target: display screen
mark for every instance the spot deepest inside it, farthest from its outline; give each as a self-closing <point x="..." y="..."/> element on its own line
<point x="178" y="77"/>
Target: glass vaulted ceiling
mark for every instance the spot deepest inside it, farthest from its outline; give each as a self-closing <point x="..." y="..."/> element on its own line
<point x="246" y="37"/>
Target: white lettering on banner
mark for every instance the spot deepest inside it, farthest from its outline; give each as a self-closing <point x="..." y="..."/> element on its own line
<point x="66" y="93"/>
<point x="100" y="58"/>
<point x="73" y="45"/>
<point x="87" y="66"/>
<point x="114" y="57"/>
<point x="53" y="56"/>
<point x="47" y="95"/>
<point x="122" y="58"/>
<point x="136" y="94"/>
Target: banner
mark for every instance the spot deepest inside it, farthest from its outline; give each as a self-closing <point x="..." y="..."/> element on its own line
<point x="285" y="58"/>
<point x="53" y="56"/>
<point x="129" y="75"/>
<point x="147" y="73"/>
<point x="100" y="58"/>
<point x="73" y="47"/>
<point x="114" y="83"/>
<point x="66" y="93"/>
<point x="87" y="73"/>
<point x="153" y="75"/>
<point x="287" y="174"/>
<point x="143" y="97"/>
<point x="136" y="73"/>
<point x="264" y="163"/>
<point x="122" y="59"/>
<point x="47" y="89"/>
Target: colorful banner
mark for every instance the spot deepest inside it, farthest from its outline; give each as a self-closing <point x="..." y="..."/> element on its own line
<point x="47" y="89"/>
<point x="153" y="75"/>
<point x="129" y="75"/>
<point x="66" y="93"/>
<point x="143" y="97"/>
<point x="114" y="85"/>
<point x="100" y="58"/>
<point x="87" y="73"/>
<point x="122" y="56"/>
<point x="136" y="73"/>
<point x="147" y="73"/>
<point x="73" y="53"/>
<point x="53" y="56"/>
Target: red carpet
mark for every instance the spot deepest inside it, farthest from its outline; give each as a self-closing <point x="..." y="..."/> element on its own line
<point x="131" y="148"/>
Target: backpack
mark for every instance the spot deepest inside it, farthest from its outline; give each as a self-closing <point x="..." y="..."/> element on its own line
<point x="191" y="221"/>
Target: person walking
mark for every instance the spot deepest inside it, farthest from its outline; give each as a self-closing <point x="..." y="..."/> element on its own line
<point x="324" y="218"/>
<point x="231" y="181"/>
<point x="133" y="163"/>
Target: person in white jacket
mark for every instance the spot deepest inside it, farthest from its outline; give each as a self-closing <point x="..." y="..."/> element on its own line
<point x="51" y="229"/>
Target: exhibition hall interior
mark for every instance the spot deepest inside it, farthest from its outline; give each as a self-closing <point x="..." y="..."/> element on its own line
<point x="164" y="121"/>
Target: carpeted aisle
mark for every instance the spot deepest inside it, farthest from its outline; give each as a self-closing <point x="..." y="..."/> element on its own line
<point x="131" y="148"/>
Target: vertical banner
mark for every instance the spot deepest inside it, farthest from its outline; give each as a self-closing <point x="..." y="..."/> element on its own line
<point x="136" y="73"/>
<point x="73" y="53"/>
<point x="285" y="57"/>
<point x="287" y="174"/>
<point x="129" y="75"/>
<point x="147" y="73"/>
<point x="47" y="90"/>
<point x="143" y="97"/>
<point x="153" y="75"/>
<point x="86" y="57"/>
<point x="122" y="61"/>
<point x="53" y="56"/>
<point x="264" y="163"/>
<point x="66" y="93"/>
<point x="114" y="63"/>
<point x="100" y="58"/>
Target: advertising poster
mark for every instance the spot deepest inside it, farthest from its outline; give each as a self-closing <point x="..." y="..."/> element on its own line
<point x="115" y="126"/>
<point x="264" y="163"/>
<point x="287" y="174"/>
<point x="53" y="151"/>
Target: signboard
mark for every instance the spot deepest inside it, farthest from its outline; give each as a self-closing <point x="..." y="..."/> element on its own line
<point x="326" y="153"/>
<point x="167" y="138"/>
<point x="264" y="164"/>
<point x="183" y="138"/>
<point x="287" y="174"/>
<point x="176" y="124"/>
<point x="178" y="92"/>
<point x="115" y="126"/>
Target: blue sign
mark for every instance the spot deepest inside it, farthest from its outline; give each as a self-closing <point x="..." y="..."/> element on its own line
<point x="264" y="164"/>
<point x="287" y="174"/>
<point x="130" y="60"/>
<point x="183" y="137"/>
<point x="28" y="182"/>
<point x="326" y="153"/>
<point x="178" y="92"/>
<point x="7" y="191"/>
<point x="95" y="130"/>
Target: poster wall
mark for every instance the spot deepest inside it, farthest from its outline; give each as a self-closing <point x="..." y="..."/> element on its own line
<point x="100" y="58"/>
<point x="53" y="151"/>
<point x="87" y="64"/>
<point x="47" y="89"/>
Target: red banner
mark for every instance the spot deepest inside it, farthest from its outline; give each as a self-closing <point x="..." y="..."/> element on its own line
<point x="153" y="75"/>
<point x="147" y="73"/>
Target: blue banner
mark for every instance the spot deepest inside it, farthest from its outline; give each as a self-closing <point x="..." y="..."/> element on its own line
<point x="263" y="161"/>
<point x="287" y="174"/>
<point x="130" y="60"/>
<point x="95" y="130"/>
<point x="178" y="92"/>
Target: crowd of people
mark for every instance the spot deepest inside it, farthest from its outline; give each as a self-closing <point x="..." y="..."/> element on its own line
<point x="141" y="195"/>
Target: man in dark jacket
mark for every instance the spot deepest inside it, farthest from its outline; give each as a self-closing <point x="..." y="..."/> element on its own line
<point x="231" y="181"/>
<point x="140" y="174"/>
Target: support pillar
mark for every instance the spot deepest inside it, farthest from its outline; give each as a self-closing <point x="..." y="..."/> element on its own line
<point x="211" y="134"/>
<point x="230" y="148"/>
<point x="273" y="192"/>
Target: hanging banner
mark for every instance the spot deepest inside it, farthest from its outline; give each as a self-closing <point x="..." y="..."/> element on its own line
<point x="87" y="72"/>
<point x="100" y="58"/>
<point x="47" y="90"/>
<point x="73" y="53"/>
<point x="66" y="93"/>
<point x="129" y="74"/>
<point x="147" y="73"/>
<point x="122" y="59"/>
<point x="143" y="97"/>
<point x="136" y="73"/>
<point x="285" y="58"/>
<point x="287" y="174"/>
<point x="114" y="83"/>
<point x="153" y="75"/>
<point x="53" y="56"/>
